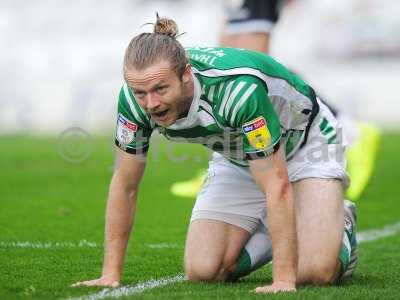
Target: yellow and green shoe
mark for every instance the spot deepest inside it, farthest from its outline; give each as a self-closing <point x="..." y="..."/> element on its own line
<point x="361" y="158"/>
<point x="191" y="187"/>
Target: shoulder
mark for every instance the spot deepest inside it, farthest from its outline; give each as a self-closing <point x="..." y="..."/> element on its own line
<point x="227" y="94"/>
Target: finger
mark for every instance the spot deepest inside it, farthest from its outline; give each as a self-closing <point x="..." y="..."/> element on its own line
<point x="262" y="289"/>
<point x="273" y="290"/>
<point x="92" y="283"/>
<point x="76" y="284"/>
<point x="267" y="290"/>
<point x="84" y="283"/>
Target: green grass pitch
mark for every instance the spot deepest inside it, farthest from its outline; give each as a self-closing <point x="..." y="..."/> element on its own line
<point x="46" y="199"/>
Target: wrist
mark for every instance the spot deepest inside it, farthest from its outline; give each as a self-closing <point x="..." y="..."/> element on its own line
<point x="112" y="275"/>
<point x="288" y="282"/>
<point x="287" y="278"/>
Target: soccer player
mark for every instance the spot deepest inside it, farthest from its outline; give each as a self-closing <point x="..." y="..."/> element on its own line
<point x="249" y="25"/>
<point x="275" y="182"/>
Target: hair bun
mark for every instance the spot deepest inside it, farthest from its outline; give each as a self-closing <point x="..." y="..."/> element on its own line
<point x="166" y="26"/>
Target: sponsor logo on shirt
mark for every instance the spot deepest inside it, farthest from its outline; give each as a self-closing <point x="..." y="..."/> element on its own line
<point x="257" y="133"/>
<point x="125" y="130"/>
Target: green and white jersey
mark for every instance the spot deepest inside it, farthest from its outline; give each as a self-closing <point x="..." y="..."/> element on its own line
<point x="244" y="103"/>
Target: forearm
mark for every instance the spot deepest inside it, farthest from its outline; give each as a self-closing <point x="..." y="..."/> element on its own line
<point x="282" y="228"/>
<point x="121" y="206"/>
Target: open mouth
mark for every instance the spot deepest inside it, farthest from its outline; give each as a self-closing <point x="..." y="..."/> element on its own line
<point x="161" y="113"/>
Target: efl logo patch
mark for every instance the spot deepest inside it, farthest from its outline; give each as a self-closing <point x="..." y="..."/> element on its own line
<point x="257" y="133"/>
<point x="125" y="130"/>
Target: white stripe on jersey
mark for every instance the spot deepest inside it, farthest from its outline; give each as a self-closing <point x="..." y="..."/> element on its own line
<point x="131" y="105"/>
<point x="209" y="109"/>
<point x="211" y="93"/>
<point x="226" y="96"/>
<point x="232" y="97"/>
<point x="221" y="86"/>
<point x="241" y="101"/>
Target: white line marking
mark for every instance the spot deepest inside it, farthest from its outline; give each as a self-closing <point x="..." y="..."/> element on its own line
<point x="48" y="245"/>
<point x="164" y="245"/>
<point x="375" y="234"/>
<point x="362" y="237"/>
<point x="132" y="289"/>
<point x="79" y="244"/>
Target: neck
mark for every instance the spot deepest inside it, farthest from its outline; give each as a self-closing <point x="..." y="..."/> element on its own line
<point x="185" y="107"/>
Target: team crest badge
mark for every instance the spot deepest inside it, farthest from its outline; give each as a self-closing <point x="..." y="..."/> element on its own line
<point x="257" y="133"/>
<point x="125" y="130"/>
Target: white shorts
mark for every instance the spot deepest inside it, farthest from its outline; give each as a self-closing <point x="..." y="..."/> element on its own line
<point x="230" y="194"/>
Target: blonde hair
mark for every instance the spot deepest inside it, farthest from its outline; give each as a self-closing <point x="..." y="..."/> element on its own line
<point x="148" y="48"/>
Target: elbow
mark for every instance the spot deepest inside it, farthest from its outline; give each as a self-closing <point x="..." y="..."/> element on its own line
<point x="279" y="189"/>
<point x="123" y="188"/>
<point x="272" y="178"/>
<point x="132" y="193"/>
<point x="284" y="189"/>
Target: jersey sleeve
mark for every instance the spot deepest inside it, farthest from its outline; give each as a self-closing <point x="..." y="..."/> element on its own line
<point x="133" y="126"/>
<point x="254" y="115"/>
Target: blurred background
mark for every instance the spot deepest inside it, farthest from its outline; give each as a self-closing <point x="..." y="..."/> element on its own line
<point x="61" y="61"/>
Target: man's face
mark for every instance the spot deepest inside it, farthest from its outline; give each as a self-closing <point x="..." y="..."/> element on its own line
<point x="160" y="92"/>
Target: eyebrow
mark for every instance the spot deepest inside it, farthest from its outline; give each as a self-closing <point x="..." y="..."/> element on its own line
<point x="158" y="84"/>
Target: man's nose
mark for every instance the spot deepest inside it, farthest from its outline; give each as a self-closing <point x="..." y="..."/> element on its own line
<point x="152" y="101"/>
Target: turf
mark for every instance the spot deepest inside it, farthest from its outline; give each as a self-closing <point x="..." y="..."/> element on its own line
<point x="46" y="198"/>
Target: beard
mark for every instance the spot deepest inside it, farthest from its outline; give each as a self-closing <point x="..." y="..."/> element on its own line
<point x="184" y="104"/>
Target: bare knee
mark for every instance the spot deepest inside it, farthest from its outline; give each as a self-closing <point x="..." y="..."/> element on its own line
<point x="209" y="270"/>
<point x="322" y="273"/>
<point x="211" y="249"/>
<point x="323" y="276"/>
<point x="205" y="270"/>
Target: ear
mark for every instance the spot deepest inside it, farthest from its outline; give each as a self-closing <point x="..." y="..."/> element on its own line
<point x="187" y="74"/>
